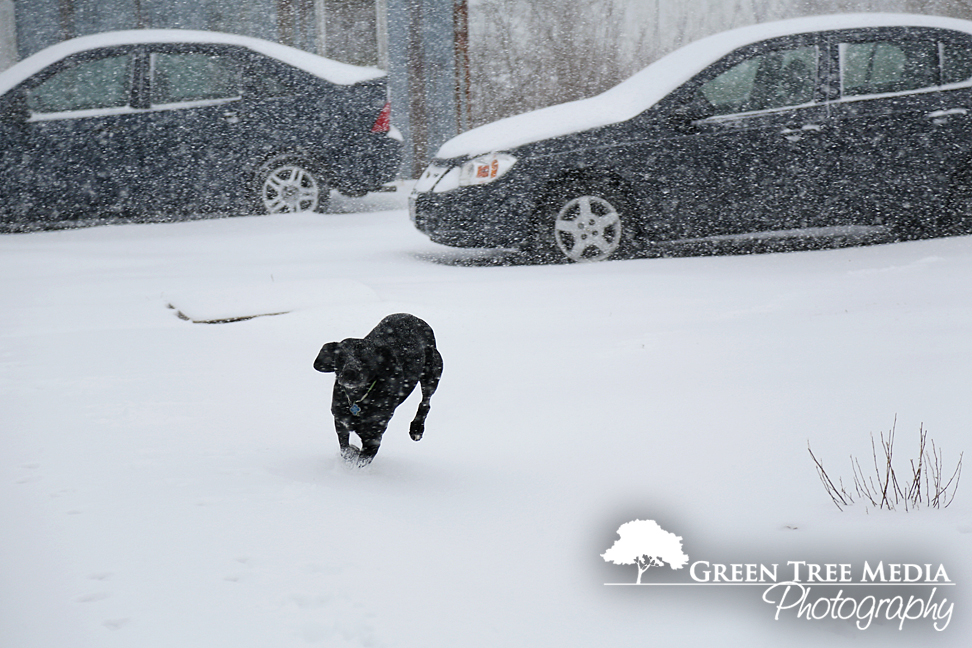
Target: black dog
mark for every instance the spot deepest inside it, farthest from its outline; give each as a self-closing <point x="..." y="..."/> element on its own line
<point x="374" y="376"/>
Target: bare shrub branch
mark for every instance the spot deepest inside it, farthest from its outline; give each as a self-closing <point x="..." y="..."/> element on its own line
<point x="924" y="486"/>
<point x="840" y="497"/>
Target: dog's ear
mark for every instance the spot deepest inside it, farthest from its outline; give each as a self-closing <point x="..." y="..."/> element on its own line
<point x="328" y="357"/>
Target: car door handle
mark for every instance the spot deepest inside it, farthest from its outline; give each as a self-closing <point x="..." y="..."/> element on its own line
<point x="796" y="134"/>
<point x="939" y="117"/>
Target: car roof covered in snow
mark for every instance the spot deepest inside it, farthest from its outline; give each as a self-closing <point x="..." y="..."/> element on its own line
<point x="327" y="69"/>
<point x="643" y="90"/>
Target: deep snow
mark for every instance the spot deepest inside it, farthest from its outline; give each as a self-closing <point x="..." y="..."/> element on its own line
<point x="164" y="483"/>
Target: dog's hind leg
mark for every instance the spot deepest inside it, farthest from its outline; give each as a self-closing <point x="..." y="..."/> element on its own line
<point x="429" y="381"/>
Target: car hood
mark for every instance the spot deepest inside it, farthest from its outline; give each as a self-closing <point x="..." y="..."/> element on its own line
<point x="646" y="88"/>
<point x="333" y="71"/>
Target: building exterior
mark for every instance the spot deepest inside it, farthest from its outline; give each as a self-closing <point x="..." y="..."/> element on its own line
<point x="420" y="43"/>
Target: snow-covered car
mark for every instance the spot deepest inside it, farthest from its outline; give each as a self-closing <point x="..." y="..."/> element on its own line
<point x="169" y="121"/>
<point x="819" y="125"/>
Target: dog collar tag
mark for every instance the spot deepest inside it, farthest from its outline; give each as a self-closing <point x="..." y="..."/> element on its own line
<point x="354" y="408"/>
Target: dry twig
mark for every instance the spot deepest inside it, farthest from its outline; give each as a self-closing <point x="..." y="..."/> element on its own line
<point x="924" y="487"/>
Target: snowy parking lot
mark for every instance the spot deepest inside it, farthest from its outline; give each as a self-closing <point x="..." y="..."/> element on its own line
<point x="171" y="483"/>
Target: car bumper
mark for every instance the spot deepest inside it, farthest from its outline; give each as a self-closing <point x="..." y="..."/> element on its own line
<point x="491" y="216"/>
<point x="376" y="161"/>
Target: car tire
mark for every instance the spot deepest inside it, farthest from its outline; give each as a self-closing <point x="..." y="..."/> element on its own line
<point x="583" y="222"/>
<point x="290" y="185"/>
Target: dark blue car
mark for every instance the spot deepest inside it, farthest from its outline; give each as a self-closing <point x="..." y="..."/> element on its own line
<point x="153" y="123"/>
<point x="852" y="125"/>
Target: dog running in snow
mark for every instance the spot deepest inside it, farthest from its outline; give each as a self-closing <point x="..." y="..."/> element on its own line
<point x="374" y="375"/>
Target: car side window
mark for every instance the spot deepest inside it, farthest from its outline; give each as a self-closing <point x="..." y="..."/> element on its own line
<point x="89" y="84"/>
<point x="775" y="79"/>
<point x="194" y="76"/>
<point x="878" y="67"/>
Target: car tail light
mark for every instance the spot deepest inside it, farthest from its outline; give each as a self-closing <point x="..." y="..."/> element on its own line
<point x="383" y="123"/>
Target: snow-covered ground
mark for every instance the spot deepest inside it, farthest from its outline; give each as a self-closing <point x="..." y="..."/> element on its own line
<point x="165" y="483"/>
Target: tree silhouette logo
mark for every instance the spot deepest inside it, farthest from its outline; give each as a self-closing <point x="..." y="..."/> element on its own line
<point x="645" y="544"/>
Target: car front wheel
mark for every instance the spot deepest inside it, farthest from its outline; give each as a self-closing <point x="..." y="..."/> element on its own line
<point x="289" y="185"/>
<point x="585" y="224"/>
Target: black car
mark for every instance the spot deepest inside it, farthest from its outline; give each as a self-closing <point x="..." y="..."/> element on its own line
<point x="155" y="122"/>
<point x="816" y="125"/>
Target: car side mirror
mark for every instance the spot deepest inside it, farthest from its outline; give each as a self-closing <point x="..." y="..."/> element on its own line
<point x="684" y="121"/>
<point x="684" y="118"/>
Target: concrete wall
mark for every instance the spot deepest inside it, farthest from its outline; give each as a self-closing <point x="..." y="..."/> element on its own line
<point x="8" y="35"/>
<point x="422" y="71"/>
<point x="41" y="23"/>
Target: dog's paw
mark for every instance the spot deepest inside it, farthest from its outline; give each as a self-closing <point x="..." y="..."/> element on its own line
<point x="416" y="431"/>
<point x="350" y="454"/>
<point x="354" y="458"/>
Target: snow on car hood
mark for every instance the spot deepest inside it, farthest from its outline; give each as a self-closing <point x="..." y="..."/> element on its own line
<point x="333" y="71"/>
<point x="643" y="90"/>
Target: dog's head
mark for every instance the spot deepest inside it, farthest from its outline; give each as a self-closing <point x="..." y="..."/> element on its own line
<point x="357" y="363"/>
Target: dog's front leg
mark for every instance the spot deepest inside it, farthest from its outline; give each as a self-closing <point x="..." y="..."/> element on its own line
<point x="348" y="451"/>
<point x="370" y="431"/>
<point x="369" y="448"/>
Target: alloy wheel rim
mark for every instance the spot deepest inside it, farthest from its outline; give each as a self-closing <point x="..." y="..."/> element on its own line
<point x="290" y="189"/>
<point x="588" y="228"/>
